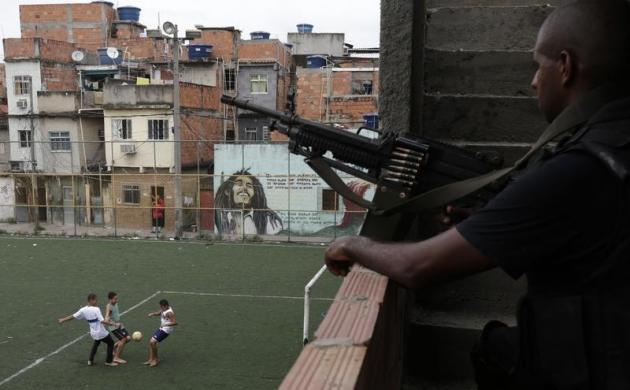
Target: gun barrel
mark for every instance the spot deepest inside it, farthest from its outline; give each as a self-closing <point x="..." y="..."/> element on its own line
<point x="346" y="146"/>
<point x="245" y="104"/>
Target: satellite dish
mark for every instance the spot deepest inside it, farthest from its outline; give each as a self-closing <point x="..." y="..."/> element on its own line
<point x="169" y="28"/>
<point x="78" y="56"/>
<point x="112" y="53"/>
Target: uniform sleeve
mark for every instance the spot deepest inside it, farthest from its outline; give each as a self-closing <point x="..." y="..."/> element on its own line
<point x="99" y="315"/>
<point x="544" y="216"/>
<point x="79" y="314"/>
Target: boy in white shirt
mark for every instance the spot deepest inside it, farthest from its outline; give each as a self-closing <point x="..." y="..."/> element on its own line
<point x="92" y="314"/>
<point x="167" y="322"/>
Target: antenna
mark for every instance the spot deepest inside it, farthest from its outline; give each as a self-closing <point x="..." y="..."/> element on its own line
<point x="113" y="53"/>
<point x="78" y="56"/>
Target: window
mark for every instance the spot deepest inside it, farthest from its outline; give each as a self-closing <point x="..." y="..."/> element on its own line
<point x="59" y="141"/>
<point x="330" y="200"/>
<point x="22" y="85"/>
<point x="251" y="134"/>
<point x="158" y="129"/>
<point x="121" y="128"/>
<point x="131" y="194"/>
<point x="230" y="80"/>
<point x="362" y="83"/>
<point x="258" y="83"/>
<point x="26" y="138"/>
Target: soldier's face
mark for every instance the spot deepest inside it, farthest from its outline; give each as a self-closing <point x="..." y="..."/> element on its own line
<point x="243" y="190"/>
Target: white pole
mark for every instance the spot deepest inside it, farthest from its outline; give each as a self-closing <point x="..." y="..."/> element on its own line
<point x="307" y="303"/>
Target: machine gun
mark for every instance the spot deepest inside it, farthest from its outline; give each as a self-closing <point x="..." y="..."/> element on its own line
<point x="401" y="166"/>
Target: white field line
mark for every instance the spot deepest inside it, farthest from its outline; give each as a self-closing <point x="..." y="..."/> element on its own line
<point x="205" y="294"/>
<point x="315" y="245"/>
<point x="63" y="347"/>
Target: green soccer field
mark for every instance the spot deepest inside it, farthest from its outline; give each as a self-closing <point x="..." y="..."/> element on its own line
<point x="239" y="308"/>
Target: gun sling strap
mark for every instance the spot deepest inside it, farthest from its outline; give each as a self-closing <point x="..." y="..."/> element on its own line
<point x="570" y="119"/>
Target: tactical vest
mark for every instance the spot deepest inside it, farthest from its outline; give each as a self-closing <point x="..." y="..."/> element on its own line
<point x="575" y="328"/>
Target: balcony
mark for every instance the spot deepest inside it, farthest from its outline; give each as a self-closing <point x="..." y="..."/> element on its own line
<point x="119" y="96"/>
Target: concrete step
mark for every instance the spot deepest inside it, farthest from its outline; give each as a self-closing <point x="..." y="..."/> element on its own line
<point x="413" y="384"/>
<point x="507" y="73"/>
<point x="485" y="28"/>
<point x="447" y="321"/>
<point x="482" y="118"/>
<point x="488" y="3"/>
<point x="470" y="303"/>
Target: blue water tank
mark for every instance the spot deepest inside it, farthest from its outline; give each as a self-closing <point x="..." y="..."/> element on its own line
<point x="313" y="62"/>
<point x="129" y="14"/>
<point x="371" y="120"/>
<point x="105" y="59"/>
<point x="258" y="35"/>
<point x="199" y="52"/>
<point x="305" y="28"/>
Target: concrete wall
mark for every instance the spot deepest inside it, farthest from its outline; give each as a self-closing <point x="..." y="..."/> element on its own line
<point x="197" y="74"/>
<point x="317" y="43"/>
<point x="245" y="122"/>
<point x="117" y="95"/>
<point x="57" y="102"/>
<point x="149" y="153"/>
<point x="7" y="199"/>
<point x="3" y="83"/>
<point x="268" y="99"/>
<point x="5" y="148"/>
<point x="22" y="68"/>
<point x="291" y="188"/>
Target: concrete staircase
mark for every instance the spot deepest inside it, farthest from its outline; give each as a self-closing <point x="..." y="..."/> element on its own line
<point x="477" y="72"/>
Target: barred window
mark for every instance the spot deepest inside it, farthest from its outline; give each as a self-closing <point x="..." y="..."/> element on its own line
<point x="22" y="85"/>
<point x="230" y="80"/>
<point x="251" y="134"/>
<point x="59" y="141"/>
<point x="121" y="128"/>
<point x="26" y="138"/>
<point x="259" y="83"/>
<point x="131" y="193"/>
<point x="158" y="129"/>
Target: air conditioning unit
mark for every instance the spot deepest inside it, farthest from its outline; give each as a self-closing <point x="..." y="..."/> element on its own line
<point x="128" y="148"/>
<point x="17" y="166"/>
<point x="22" y="103"/>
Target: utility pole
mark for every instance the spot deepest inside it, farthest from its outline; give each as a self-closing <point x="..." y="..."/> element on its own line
<point x="171" y="28"/>
<point x="34" y="197"/>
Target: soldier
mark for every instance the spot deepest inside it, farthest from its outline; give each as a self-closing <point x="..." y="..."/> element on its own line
<point x="564" y="223"/>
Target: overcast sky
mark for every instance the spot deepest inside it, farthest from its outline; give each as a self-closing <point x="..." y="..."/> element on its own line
<point x="359" y="19"/>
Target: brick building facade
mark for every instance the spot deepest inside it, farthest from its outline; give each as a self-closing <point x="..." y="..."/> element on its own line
<point x="342" y="93"/>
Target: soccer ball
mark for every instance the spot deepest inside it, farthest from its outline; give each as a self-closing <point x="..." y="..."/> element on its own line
<point x="136" y="336"/>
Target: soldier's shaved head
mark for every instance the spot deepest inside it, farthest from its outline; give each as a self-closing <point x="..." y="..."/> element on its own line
<point x="595" y="32"/>
<point x="582" y="45"/>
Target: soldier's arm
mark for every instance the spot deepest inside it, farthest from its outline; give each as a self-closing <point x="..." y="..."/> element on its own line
<point x="445" y="257"/>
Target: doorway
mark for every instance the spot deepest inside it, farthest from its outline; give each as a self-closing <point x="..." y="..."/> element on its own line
<point x="68" y="205"/>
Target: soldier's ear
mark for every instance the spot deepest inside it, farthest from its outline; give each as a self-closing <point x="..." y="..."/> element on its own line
<point x="567" y="66"/>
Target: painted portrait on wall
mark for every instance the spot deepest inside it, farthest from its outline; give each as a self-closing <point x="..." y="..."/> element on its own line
<point x="242" y="207"/>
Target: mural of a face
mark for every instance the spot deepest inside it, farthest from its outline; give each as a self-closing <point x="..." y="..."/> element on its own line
<point x="243" y="190"/>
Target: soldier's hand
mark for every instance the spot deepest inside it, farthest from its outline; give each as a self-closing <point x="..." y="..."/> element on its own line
<point x="453" y="215"/>
<point x="337" y="258"/>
